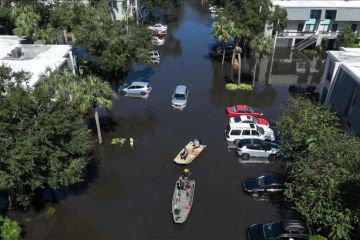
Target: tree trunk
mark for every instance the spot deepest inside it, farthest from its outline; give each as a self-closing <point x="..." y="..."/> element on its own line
<point x="97" y="121"/>
<point x="239" y="71"/>
<point x="254" y="73"/>
<point x="223" y="58"/>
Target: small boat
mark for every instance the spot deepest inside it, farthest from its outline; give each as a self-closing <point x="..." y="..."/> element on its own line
<point x="182" y="199"/>
<point x="189" y="153"/>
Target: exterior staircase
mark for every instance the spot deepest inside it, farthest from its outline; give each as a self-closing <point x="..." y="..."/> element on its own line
<point x="306" y="42"/>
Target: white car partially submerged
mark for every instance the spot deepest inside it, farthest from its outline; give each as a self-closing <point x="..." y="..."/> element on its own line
<point x="158" y="41"/>
<point x="158" y="27"/>
<point x="237" y="131"/>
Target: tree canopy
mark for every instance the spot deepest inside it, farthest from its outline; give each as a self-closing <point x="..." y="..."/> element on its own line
<point x="323" y="174"/>
<point x="44" y="141"/>
<point x="347" y="38"/>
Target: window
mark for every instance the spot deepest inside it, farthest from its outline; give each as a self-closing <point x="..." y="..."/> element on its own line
<point x="244" y="142"/>
<point x="352" y="101"/>
<point x="258" y="141"/>
<point x="315" y="14"/>
<point x="254" y="147"/>
<point x="331" y="70"/>
<point x="246" y="132"/>
<point x="353" y="27"/>
<point x="330" y="14"/>
<point x="235" y="132"/>
<point x="254" y="133"/>
<point x="300" y="27"/>
<point x="334" y="28"/>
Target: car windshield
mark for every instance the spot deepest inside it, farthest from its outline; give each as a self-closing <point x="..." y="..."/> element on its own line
<point x="179" y="96"/>
<point x="261" y="181"/>
<point x="250" y="109"/>
<point x="260" y="130"/>
<point x="272" y="230"/>
<point x="237" y="119"/>
<point x="255" y="120"/>
<point x="234" y="108"/>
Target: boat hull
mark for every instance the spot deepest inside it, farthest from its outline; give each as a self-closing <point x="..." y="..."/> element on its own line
<point x="182" y="201"/>
<point x="193" y="153"/>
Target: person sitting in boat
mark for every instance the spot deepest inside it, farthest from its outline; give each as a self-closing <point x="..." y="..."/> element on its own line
<point x="182" y="183"/>
<point x="184" y="153"/>
<point x="196" y="143"/>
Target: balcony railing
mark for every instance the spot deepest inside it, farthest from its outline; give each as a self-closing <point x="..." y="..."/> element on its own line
<point x="295" y="34"/>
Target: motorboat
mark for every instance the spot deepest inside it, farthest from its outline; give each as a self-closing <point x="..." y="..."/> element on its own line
<point x="189" y="152"/>
<point x="183" y="197"/>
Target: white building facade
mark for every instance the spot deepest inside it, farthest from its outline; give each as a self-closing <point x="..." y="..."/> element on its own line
<point x="315" y="20"/>
<point x="36" y="59"/>
<point x="340" y="86"/>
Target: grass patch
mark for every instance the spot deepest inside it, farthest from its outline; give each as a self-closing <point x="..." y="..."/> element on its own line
<point x="236" y="87"/>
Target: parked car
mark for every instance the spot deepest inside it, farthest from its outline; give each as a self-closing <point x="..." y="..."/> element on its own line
<point x="154" y="57"/>
<point x="258" y="148"/>
<point x="138" y="88"/>
<point x="249" y="119"/>
<point x="158" y="27"/>
<point x="284" y="230"/>
<point x="239" y="110"/>
<point x="264" y="185"/>
<point x="158" y="41"/>
<point x="237" y="131"/>
<point x="179" y="98"/>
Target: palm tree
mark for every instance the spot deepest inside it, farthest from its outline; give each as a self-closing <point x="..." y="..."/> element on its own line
<point x="221" y="30"/>
<point x="92" y="93"/>
<point x="81" y="92"/>
<point x="260" y="46"/>
<point x="238" y="33"/>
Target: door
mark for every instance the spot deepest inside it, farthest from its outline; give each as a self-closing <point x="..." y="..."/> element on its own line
<point x="132" y="89"/>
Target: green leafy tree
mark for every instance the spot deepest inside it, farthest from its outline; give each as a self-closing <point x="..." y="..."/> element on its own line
<point x="9" y="229"/>
<point x="26" y="20"/>
<point x="317" y="237"/>
<point x="44" y="142"/>
<point x="322" y="169"/>
<point x="47" y="34"/>
<point x="260" y="46"/>
<point x="346" y="37"/>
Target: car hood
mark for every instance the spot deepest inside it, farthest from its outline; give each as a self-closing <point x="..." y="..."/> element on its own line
<point x="178" y="101"/>
<point x="263" y="121"/>
<point x="255" y="232"/>
<point x="250" y="184"/>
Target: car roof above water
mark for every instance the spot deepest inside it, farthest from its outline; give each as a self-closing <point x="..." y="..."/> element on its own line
<point x="180" y="89"/>
<point x="139" y="83"/>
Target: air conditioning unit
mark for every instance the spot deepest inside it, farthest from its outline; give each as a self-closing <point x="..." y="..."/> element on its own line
<point x="16" y="52"/>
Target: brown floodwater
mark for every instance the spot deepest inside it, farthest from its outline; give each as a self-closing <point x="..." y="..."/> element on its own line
<point x="128" y="191"/>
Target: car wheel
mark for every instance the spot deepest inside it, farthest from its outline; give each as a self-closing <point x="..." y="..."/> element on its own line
<point x="143" y="93"/>
<point x="272" y="157"/>
<point x="122" y="92"/>
<point x="245" y="156"/>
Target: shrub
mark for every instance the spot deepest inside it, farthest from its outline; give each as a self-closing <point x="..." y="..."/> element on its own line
<point x="311" y="52"/>
<point x="325" y="43"/>
<point x="317" y="237"/>
<point x="9" y="229"/>
<point x="236" y="87"/>
<point x="50" y="211"/>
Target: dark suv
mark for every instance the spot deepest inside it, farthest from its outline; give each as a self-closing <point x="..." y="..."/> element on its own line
<point x="264" y="185"/>
<point x="284" y="230"/>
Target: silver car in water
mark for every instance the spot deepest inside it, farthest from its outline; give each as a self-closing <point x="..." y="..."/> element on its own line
<point x="137" y="89"/>
<point x="179" y="98"/>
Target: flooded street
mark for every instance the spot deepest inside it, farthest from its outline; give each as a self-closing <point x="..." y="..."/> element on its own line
<point x="129" y="191"/>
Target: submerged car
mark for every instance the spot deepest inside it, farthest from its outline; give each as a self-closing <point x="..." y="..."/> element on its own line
<point x="179" y="98"/>
<point x="249" y="119"/>
<point x="154" y="57"/>
<point x="240" y="110"/>
<point x="264" y="185"/>
<point x="158" y="27"/>
<point x="284" y="230"/>
<point x="256" y="148"/>
<point x="158" y="41"/>
<point x="138" y="88"/>
<point x="237" y="131"/>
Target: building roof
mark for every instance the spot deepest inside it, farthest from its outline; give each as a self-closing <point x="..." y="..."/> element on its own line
<point x="36" y="58"/>
<point x="350" y="58"/>
<point x="317" y="4"/>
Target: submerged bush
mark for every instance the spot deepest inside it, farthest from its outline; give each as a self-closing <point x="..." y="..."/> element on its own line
<point x="236" y="87"/>
<point x="311" y="52"/>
